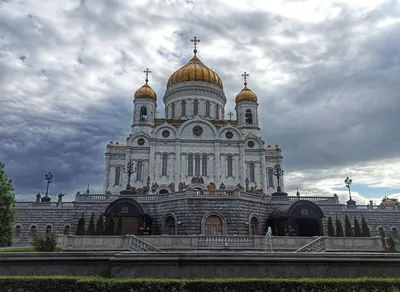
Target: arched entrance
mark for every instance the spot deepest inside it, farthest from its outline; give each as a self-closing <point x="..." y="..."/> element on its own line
<point x="302" y="218"/>
<point x="163" y="191"/>
<point x="131" y="212"/>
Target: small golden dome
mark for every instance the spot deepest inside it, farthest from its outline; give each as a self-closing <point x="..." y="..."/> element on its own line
<point x="246" y="95"/>
<point x="145" y="92"/>
<point x="194" y="70"/>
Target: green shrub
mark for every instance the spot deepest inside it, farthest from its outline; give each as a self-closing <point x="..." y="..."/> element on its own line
<point x="45" y="243"/>
<point x="86" y="284"/>
<point x="27" y="249"/>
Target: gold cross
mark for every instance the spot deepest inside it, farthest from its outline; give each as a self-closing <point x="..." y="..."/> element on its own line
<point x="230" y="115"/>
<point x="147" y="71"/>
<point x="245" y="75"/>
<point x="195" y="40"/>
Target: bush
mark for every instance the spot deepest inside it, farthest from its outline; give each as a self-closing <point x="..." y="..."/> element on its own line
<point x="45" y="243"/>
<point x="85" y="284"/>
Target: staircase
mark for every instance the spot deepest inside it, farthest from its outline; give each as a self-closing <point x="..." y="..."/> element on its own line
<point x="138" y="245"/>
<point x="316" y="245"/>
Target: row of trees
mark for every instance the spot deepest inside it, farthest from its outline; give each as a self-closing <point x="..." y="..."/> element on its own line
<point x="102" y="227"/>
<point x="348" y="231"/>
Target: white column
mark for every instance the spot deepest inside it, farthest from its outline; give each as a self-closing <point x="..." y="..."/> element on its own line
<point x="152" y="161"/>
<point x="106" y="174"/>
<point x="177" y="163"/>
<point x="217" y="164"/>
<point x="263" y="173"/>
<point x="242" y="167"/>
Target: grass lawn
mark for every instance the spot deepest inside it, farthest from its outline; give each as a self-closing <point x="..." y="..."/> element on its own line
<point x="26" y="249"/>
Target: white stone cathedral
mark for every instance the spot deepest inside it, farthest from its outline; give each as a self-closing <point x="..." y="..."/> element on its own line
<point x="193" y="146"/>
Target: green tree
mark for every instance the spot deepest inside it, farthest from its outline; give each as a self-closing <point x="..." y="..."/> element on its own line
<point x="365" y="228"/>
<point x="90" y="230"/>
<point x="7" y="208"/>
<point x="390" y="244"/>
<point x="331" y="230"/>
<point x="100" y="225"/>
<point x="339" y="228"/>
<point x="118" y="231"/>
<point x="80" y="230"/>
<point x="109" y="225"/>
<point x="357" y="228"/>
<point x="347" y="227"/>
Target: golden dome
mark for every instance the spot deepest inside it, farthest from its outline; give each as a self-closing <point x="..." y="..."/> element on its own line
<point x="246" y="95"/>
<point x="194" y="70"/>
<point x="145" y="92"/>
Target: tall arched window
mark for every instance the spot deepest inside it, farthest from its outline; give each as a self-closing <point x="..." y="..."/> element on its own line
<point x="230" y="167"/>
<point x="270" y="177"/>
<point x="214" y="225"/>
<point x="207" y="108"/>
<point x="395" y="232"/>
<point x="173" y="110"/>
<point x="33" y="231"/>
<point x="195" y="107"/>
<point x="169" y="226"/>
<point x="197" y="165"/>
<point x="251" y="167"/>
<point x="143" y="113"/>
<point x="139" y="169"/>
<point x="204" y="165"/>
<point x="217" y="112"/>
<point x="17" y="231"/>
<point x="48" y="229"/>
<point x="249" y="117"/>
<point x="183" y="108"/>
<point x="164" y="164"/>
<point x="254" y="226"/>
<point x="190" y="165"/>
<point x="66" y="230"/>
<point x="117" y="175"/>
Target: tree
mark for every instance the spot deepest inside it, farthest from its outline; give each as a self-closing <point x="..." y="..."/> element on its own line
<point x="80" y="230"/>
<point x="390" y="244"/>
<point x="7" y="208"/>
<point x="357" y="228"/>
<point x="109" y="225"/>
<point x="339" y="228"/>
<point x="90" y="230"/>
<point x="100" y="225"/>
<point x="347" y="227"/>
<point x="383" y="240"/>
<point x="365" y="228"/>
<point x="118" y="231"/>
<point x="331" y="230"/>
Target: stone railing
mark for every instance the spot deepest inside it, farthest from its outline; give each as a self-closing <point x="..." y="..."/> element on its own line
<point x="328" y="200"/>
<point x="316" y="245"/>
<point x="242" y="241"/>
<point x="64" y="205"/>
<point x="136" y="244"/>
<point x="373" y="207"/>
<point x="214" y="193"/>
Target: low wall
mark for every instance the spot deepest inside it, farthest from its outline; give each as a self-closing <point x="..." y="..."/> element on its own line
<point x="201" y="265"/>
<point x="97" y="243"/>
<point x="353" y="244"/>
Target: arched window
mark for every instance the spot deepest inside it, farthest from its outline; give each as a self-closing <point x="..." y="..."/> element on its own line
<point x="164" y="164"/>
<point x="252" y="178"/>
<point x="48" y="229"/>
<point x="117" y="175"/>
<point x="253" y="226"/>
<point x="195" y="107"/>
<point x="249" y="117"/>
<point x="230" y="168"/>
<point x="395" y="232"/>
<point x="139" y="170"/>
<point x="33" y="230"/>
<point x="214" y="225"/>
<point x="270" y="177"/>
<point x="17" y="231"/>
<point x="169" y="225"/>
<point x="183" y="108"/>
<point x="173" y="110"/>
<point x="381" y="231"/>
<point x="207" y="109"/>
<point x="190" y="165"/>
<point x="204" y="165"/>
<point x="143" y="113"/>
<point x="217" y="112"/>
<point x="66" y="230"/>
<point x="197" y="165"/>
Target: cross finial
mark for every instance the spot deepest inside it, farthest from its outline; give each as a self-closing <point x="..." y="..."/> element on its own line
<point x="230" y="115"/>
<point x="245" y="75"/>
<point x="195" y="40"/>
<point x="147" y="71"/>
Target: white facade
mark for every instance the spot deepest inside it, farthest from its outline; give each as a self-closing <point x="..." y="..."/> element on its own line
<point x="193" y="141"/>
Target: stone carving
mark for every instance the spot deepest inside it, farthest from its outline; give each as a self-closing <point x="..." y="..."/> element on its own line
<point x="154" y="187"/>
<point x="239" y="187"/>
<point x="222" y="186"/>
<point x="211" y="186"/>
<point x="316" y="245"/>
<point x="182" y="187"/>
<point x="197" y="180"/>
<point x="60" y="195"/>
<point x="137" y="244"/>
<point x="140" y="191"/>
<point x="172" y="187"/>
<point x="38" y="198"/>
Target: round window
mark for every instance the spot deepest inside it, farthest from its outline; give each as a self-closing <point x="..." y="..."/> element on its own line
<point x="229" y="135"/>
<point x="140" y="141"/>
<point x="250" y="144"/>
<point x="197" y="130"/>
<point x="165" y="133"/>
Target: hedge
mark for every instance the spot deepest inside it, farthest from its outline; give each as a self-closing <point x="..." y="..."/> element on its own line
<point x="84" y="284"/>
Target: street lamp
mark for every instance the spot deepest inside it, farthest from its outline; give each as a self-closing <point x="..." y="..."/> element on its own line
<point x="129" y="170"/>
<point x="348" y="182"/>
<point x="49" y="178"/>
<point x="278" y="172"/>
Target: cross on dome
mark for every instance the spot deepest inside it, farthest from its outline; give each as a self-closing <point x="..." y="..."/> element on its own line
<point x="195" y="40"/>
<point x="147" y="71"/>
<point x="245" y="75"/>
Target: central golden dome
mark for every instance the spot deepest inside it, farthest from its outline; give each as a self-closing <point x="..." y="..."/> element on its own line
<point x="194" y="70"/>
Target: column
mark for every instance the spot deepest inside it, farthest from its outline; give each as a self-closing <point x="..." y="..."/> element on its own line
<point x="177" y="164"/>
<point x="236" y="167"/>
<point x="242" y="159"/>
<point x="263" y="173"/>
<point x="217" y="164"/>
<point x="152" y="166"/>
<point x="106" y="174"/>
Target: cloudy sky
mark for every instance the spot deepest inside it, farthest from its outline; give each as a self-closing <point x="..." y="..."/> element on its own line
<point x="326" y="73"/>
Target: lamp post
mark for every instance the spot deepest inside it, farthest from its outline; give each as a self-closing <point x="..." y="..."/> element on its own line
<point x="278" y="172"/>
<point x="129" y="169"/>
<point x="348" y="182"/>
<point x="49" y="178"/>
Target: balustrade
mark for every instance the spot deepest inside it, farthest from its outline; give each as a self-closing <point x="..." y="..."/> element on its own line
<point x="139" y="245"/>
<point x="206" y="241"/>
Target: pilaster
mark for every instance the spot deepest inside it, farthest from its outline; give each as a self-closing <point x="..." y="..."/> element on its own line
<point x="177" y="163"/>
<point x="217" y="164"/>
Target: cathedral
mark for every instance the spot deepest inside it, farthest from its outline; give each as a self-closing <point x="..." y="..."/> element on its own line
<point x="195" y="173"/>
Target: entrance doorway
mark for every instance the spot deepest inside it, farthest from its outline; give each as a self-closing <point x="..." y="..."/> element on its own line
<point x="307" y="227"/>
